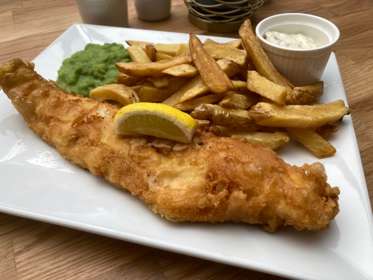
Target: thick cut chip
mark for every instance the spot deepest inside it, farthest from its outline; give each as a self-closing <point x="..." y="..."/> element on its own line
<point x="147" y="47"/>
<point x="196" y="87"/>
<point x="298" y="116"/>
<point x="305" y="94"/>
<point x="150" y="51"/>
<point x="237" y="84"/>
<point x="235" y="100"/>
<point x="328" y="130"/>
<point x="241" y="87"/>
<point x="228" y="67"/>
<point x="138" y="54"/>
<point x="273" y="140"/>
<point x="159" y="56"/>
<point x="193" y="103"/>
<point x="151" y="68"/>
<point x="128" y="80"/>
<point x="148" y="93"/>
<point x="192" y="89"/>
<point x="182" y="70"/>
<point x="161" y="82"/>
<point x="212" y="75"/>
<point x="313" y="142"/>
<point x="203" y="124"/>
<point x="258" y="56"/>
<point x="170" y="49"/>
<point x="266" y="88"/>
<point x="183" y="50"/>
<point x="232" y="118"/>
<point x="236" y="43"/>
<point x="219" y="51"/>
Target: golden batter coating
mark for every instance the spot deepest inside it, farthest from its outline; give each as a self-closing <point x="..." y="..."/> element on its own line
<point x="215" y="179"/>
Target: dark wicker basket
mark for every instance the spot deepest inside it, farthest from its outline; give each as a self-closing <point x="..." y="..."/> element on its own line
<point x="221" y="16"/>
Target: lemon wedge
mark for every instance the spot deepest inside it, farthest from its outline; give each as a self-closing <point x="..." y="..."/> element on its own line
<point x="116" y="92"/>
<point x="155" y="119"/>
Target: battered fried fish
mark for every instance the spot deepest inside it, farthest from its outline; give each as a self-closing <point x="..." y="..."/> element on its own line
<point x="216" y="179"/>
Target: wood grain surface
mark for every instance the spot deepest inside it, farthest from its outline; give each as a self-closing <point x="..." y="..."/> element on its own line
<point x="34" y="250"/>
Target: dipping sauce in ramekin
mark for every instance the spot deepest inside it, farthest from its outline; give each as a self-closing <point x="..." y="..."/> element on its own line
<point x="297" y="41"/>
<point x="299" y="45"/>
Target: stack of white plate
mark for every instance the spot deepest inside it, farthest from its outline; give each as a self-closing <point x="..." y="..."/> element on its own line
<point x="221" y="16"/>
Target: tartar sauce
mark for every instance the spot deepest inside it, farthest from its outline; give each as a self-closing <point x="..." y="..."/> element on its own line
<point x="294" y="41"/>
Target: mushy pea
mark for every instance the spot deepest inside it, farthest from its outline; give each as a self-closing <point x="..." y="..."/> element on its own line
<point x="92" y="67"/>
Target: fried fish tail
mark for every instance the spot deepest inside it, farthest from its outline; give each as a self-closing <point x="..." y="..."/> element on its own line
<point x="215" y="180"/>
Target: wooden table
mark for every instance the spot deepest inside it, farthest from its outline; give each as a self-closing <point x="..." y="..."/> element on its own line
<point x="34" y="250"/>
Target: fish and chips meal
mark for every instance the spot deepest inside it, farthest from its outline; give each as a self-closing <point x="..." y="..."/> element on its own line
<point x="188" y="128"/>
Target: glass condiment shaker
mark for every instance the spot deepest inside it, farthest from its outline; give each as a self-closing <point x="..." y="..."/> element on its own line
<point x="153" y="10"/>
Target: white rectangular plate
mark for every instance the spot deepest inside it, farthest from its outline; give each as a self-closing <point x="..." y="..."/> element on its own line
<point x="38" y="183"/>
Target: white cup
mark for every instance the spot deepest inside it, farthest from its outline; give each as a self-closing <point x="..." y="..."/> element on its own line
<point x="104" y="12"/>
<point x="300" y="66"/>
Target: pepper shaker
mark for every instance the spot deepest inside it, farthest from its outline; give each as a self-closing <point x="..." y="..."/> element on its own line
<point x="153" y="10"/>
<point x="104" y="12"/>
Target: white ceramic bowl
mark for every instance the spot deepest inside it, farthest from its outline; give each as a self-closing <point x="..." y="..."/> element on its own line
<point x="298" y="65"/>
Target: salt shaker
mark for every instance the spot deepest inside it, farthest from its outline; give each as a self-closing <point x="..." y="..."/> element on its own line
<point x="153" y="10"/>
<point x="104" y="12"/>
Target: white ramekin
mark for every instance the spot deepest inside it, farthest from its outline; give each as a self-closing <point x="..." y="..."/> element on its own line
<point x="299" y="66"/>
